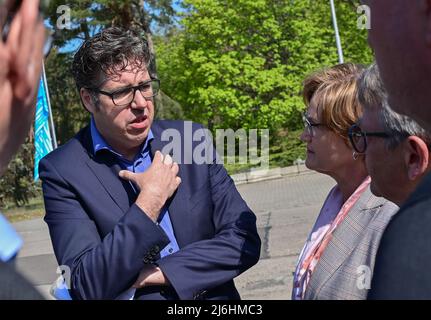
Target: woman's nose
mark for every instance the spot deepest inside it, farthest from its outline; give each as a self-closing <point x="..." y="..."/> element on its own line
<point x="305" y="136"/>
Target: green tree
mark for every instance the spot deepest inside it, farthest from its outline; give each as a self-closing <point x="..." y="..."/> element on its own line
<point x="17" y="185"/>
<point x="68" y="113"/>
<point x="242" y="63"/>
<point x="88" y="17"/>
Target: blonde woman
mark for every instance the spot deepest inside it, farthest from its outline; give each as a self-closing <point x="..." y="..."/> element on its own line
<point x="338" y="256"/>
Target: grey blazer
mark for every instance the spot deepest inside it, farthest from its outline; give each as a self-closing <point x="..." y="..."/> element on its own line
<point x="345" y="268"/>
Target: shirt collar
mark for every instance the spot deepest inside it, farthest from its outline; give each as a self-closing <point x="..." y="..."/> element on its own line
<point x="99" y="143"/>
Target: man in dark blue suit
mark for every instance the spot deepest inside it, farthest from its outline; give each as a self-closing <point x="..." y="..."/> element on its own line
<point x="400" y="35"/>
<point x="123" y="216"/>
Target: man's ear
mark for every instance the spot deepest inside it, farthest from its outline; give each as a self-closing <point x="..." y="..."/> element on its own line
<point x="416" y="157"/>
<point x="88" y="100"/>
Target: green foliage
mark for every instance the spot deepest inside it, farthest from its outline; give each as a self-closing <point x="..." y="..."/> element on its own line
<point x="241" y="63"/>
<point x="287" y="149"/>
<point x="17" y="183"/>
<point x="68" y="112"/>
<point x="89" y="17"/>
<point x="166" y="108"/>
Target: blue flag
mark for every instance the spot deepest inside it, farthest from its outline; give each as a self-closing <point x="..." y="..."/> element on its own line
<point x="42" y="135"/>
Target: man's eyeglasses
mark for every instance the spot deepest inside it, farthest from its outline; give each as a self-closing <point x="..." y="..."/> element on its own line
<point x="358" y="138"/>
<point x="310" y="125"/>
<point x="125" y="96"/>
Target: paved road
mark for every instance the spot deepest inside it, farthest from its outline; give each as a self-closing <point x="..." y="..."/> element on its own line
<point x="286" y="209"/>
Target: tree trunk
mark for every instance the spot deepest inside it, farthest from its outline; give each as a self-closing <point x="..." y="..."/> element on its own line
<point x="142" y="20"/>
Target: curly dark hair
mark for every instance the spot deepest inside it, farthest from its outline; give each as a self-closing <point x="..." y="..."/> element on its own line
<point x="109" y="53"/>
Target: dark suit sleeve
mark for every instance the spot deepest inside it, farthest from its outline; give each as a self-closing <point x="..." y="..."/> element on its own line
<point x="403" y="259"/>
<point x="100" y="268"/>
<point x="206" y="264"/>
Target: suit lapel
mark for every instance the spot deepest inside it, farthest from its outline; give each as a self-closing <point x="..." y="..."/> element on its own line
<point x="105" y="168"/>
<point x="107" y="173"/>
<point x="346" y="238"/>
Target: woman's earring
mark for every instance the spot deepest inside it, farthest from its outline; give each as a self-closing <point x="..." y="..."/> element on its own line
<point x="355" y="155"/>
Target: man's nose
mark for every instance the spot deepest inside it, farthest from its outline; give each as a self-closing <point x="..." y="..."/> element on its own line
<point x="139" y="102"/>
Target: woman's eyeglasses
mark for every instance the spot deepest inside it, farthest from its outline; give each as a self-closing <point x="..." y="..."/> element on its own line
<point x="310" y="125"/>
